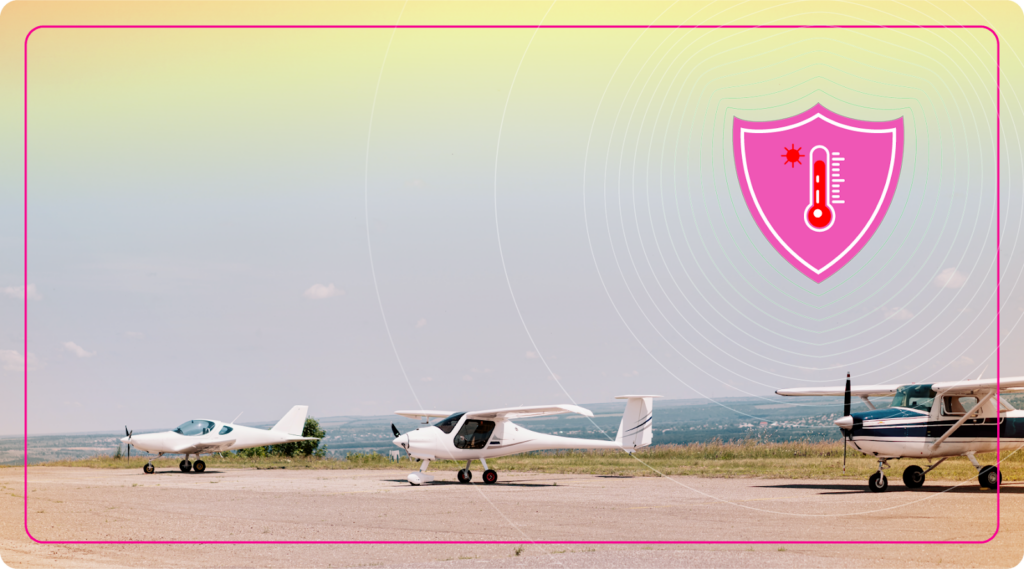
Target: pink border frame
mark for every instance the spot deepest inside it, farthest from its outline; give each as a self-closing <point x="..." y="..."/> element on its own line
<point x="510" y="27"/>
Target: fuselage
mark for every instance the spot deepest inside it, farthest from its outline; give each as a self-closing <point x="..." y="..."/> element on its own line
<point x="464" y="440"/>
<point x="911" y="431"/>
<point x="214" y="435"/>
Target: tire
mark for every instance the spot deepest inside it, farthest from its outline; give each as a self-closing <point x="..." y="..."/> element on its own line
<point x="149" y="469"/>
<point x="199" y="466"/>
<point x="490" y="477"/>
<point x="913" y="476"/>
<point x="990" y="477"/>
<point x="185" y="466"/>
<point x="878" y="482"/>
<point x="465" y="476"/>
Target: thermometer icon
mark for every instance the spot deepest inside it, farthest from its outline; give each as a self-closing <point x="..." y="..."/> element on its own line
<point x="819" y="215"/>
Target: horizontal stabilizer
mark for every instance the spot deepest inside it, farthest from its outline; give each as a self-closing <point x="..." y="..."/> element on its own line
<point x="293" y="421"/>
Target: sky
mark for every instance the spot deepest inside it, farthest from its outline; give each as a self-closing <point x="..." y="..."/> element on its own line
<point x="238" y="221"/>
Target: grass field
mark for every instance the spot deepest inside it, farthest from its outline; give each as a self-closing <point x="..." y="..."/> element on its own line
<point x="807" y="460"/>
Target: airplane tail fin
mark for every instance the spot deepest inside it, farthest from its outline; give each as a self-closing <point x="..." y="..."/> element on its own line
<point x="635" y="430"/>
<point x="293" y="421"/>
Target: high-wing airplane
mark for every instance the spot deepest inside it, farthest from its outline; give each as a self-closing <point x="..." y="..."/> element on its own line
<point x="203" y="436"/>
<point x="479" y="435"/>
<point x="937" y="420"/>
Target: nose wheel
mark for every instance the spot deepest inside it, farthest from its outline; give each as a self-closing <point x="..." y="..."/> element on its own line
<point x="149" y="468"/>
<point x="185" y="465"/>
<point x="465" y="476"/>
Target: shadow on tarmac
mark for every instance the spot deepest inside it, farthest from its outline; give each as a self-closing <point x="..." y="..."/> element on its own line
<point x="968" y="488"/>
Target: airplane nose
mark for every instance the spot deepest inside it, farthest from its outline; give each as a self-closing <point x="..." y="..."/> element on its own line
<point x="401" y="441"/>
<point x="845" y="423"/>
<point x="124" y="439"/>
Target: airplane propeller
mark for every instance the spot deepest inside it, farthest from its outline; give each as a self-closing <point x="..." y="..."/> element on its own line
<point x="394" y="429"/>
<point x="128" y="434"/>
<point x="846" y="413"/>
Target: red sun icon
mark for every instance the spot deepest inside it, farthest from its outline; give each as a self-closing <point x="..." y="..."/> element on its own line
<point x="792" y="155"/>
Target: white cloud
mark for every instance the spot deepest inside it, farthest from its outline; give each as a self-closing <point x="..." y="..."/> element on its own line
<point x="19" y="292"/>
<point x="135" y="334"/>
<point x="421" y="322"/>
<point x="467" y="378"/>
<point x="897" y="313"/>
<point x="531" y="355"/>
<point x="963" y="361"/>
<point x="78" y="350"/>
<point x="426" y="379"/>
<point x="319" y="291"/>
<point x="950" y="278"/>
<point x="12" y="360"/>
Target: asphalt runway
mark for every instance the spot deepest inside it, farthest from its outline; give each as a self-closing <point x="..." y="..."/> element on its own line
<point x="373" y="505"/>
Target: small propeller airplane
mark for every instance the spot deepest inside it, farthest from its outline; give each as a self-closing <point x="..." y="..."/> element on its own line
<point x="202" y="436"/>
<point x="937" y="420"/>
<point x="479" y="435"/>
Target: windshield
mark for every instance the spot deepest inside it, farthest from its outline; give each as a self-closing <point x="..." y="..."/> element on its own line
<point x="448" y="423"/>
<point x="194" y="428"/>
<point x="918" y="397"/>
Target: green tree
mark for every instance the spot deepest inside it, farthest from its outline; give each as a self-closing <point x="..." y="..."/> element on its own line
<point x="303" y="448"/>
<point x="253" y="452"/>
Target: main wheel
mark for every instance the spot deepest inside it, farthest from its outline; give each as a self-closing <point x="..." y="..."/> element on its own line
<point x="465" y="476"/>
<point x="199" y="466"/>
<point x="878" y="482"/>
<point x="185" y="466"/>
<point x="990" y="477"/>
<point x="490" y="477"/>
<point x="913" y="476"/>
<point x="148" y="469"/>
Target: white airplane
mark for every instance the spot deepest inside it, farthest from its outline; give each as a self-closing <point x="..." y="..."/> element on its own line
<point x="202" y="436"/>
<point x="479" y="435"/>
<point x="937" y="420"/>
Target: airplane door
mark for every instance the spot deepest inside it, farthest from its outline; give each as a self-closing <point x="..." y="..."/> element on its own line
<point x="474" y="434"/>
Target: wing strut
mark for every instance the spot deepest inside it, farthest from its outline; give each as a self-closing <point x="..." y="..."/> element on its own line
<point x="974" y="411"/>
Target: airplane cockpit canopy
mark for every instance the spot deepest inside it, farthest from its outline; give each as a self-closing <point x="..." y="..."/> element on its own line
<point x="919" y="397"/>
<point x="195" y="428"/>
<point x="448" y="423"/>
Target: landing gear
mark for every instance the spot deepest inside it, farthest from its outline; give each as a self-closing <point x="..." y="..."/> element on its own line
<point x="185" y="465"/>
<point x="878" y="482"/>
<point x="490" y="476"/>
<point x="199" y="466"/>
<point x="149" y="468"/>
<point x="913" y="476"/>
<point x="417" y="478"/>
<point x="990" y="477"/>
<point x="465" y="476"/>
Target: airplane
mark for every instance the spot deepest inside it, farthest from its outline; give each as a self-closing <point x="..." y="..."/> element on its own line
<point x="203" y="436"/>
<point x="933" y="420"/>
<point x="479" y="435"/>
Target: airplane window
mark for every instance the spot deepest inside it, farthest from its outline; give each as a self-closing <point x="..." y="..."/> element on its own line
<point x="474" y="434"/>
<point x="447" y="424"/>
<point x="918" y="397"/>
<point x="225" y="430"/>
<point x="194" y="428"/>
<point x="953" y="405"/>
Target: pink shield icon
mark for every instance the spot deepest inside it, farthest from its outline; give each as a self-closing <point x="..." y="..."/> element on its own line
<point x="818" y="184"/>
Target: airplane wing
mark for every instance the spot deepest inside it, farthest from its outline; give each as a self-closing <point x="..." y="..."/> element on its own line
<point x="976" y="385"/>
<point x="423" y="413"/>
<point x="856" y="391"/>
<point x="522" y="412"/>
<point x="206" y="446"/>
